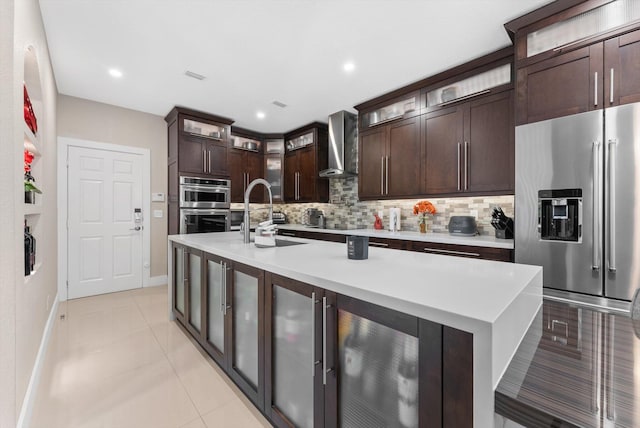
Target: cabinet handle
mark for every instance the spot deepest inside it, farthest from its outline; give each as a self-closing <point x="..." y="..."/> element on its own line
<point x="223" y="284"/>
<point x="611" y="87"/>
<point x="204" y="161"/>
<point x="611" y="204"/>
<point x="382" y="175"/>
<point x="387" y="168"/>
<point x="466" y="165"/>
<point x="458" y="166"/>
<point x="597" y="203"/>
<point x="209" y="151"/>
<point x="298" y="187"/>
<point x="324" y="340"/>
<point x="378" y="244"/>
<point x="595" y="88"/>
<point x="313" y="334"/>
<point x="451" y="252"/>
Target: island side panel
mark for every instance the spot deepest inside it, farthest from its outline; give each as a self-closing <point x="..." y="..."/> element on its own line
<point x="457" y="383"/>
<point x="430" y="334"/>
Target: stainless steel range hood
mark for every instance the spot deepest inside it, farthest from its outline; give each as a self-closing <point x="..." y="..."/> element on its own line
<point x="343" y="146"/>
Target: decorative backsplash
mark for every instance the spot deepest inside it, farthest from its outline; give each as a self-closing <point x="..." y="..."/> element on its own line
<point x="345" y="210"/>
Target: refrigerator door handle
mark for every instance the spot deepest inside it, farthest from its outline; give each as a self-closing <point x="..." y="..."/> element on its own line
<point x="611" y="204"/>
<point x="597" y="203"/>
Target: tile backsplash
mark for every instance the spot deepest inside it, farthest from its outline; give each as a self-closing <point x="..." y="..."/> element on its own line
<point x="345" y="210"/>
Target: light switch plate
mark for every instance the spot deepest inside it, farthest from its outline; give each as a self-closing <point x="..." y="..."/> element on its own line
<point x="158" y="213"/>
<point x="157" y="197"/>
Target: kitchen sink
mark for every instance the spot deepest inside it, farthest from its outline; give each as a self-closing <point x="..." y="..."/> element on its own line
<point x="287" y="243"/>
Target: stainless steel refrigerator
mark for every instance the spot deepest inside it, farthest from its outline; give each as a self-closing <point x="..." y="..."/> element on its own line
<point x="577" y="201"/>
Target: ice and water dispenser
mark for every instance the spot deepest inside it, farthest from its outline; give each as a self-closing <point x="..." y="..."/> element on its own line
<point x="560" y="215"/>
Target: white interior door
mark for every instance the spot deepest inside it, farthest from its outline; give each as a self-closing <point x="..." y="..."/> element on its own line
<point x="104" y="247"/>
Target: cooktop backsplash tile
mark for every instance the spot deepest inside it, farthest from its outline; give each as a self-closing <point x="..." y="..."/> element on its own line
<point x="346" y="211"/>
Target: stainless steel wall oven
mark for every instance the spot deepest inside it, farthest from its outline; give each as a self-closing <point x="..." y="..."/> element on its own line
<point x="204" y="205"/>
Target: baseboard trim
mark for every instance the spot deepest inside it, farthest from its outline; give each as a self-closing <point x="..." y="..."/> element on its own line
<point x="29" y="397"/>
<point x="154" y="281"/>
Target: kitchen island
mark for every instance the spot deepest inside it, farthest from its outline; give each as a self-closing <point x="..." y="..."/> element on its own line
<point x="488" y="304"/>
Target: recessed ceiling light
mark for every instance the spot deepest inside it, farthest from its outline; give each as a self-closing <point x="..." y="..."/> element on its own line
<point x="349" y="67"/>
<point x="260" y="115"/>
<point x="114" y="72"/>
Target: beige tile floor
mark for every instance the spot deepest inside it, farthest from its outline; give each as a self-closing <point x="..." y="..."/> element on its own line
<point x="116" y="361"/>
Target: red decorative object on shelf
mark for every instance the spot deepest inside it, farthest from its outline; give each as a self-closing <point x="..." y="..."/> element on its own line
<point x="29" y="115"/>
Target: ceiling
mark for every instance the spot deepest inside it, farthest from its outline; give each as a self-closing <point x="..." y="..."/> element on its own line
<point x="254" y="52"/>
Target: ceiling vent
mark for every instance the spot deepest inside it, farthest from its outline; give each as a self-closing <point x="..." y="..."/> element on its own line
<point x="279" y="104"/>
<point x="194" y="75"/>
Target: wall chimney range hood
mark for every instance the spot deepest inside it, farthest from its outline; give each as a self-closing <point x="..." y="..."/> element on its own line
<point x="343" y="146"/>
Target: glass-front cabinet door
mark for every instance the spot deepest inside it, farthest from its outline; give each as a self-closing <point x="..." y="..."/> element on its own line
<point x="178" y="281"/>
<point x="294" y="386"/>
<point x="194" y="290"/>
<point x="217" y="316"/>
<point x="378" y="367"/>
<point x="246" y="365"/>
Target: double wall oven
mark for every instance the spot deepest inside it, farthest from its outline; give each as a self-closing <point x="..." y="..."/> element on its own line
<point x="204" y="205"/>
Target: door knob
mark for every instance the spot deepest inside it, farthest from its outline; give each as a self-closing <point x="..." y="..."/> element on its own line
<point x="137" y="228"/>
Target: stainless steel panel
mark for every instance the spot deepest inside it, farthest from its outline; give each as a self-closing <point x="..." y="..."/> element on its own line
<point x="343" y="145"/>
<point x="557" y="154"/>
<point x="623" y="126"/>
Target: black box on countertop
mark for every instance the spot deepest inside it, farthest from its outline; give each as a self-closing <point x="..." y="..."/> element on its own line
<point x="358" y="247"/>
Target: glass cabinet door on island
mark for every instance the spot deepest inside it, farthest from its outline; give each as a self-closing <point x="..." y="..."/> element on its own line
<point x="246" y="365"/>
<point x="294" y="393"/>
<point x="217" y="314"/>
<point x="194" y="290"/>
<point x="178" y="281"/>
<point x="378" y="382"/>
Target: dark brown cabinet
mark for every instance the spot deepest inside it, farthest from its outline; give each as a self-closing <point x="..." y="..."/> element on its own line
<point x="592" y="77"/>
<point x="470" y="147"/>
<point x="484" y="253"/>
<point x="305" y="156"/>
<point x="197" y="147"/>
<point x="621" y="64"/>
<point x="390" y="160"/>
<point x="198" y="142"/>
<point x="443" y="133"/>
<point x="244" y="167"/>
<point x="306" y="356"/>
<point x="566" y="84"/>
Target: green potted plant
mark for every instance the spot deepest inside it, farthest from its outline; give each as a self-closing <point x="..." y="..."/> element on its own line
<point x="30" y="189"/>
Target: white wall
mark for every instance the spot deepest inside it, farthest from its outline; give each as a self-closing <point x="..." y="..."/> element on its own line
<point x="24" y="305"/>
<point x="89" y="120"/>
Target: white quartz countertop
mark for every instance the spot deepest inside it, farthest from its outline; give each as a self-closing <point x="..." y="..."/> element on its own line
<point x="442" y="238"/>
<point x="496" y="301"/>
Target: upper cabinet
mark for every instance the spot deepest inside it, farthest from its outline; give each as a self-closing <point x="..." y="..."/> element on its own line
<point x="576" y="59"/>
<point x="390" y="160"/>
<point x="246" y="163"/>
<point x="198" y="143"/>
<point x="306" y="154"/>
<point x="453" y="136"/>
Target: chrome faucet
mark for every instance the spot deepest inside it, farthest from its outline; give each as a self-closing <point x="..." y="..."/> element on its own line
<point x="246" y="220"/>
